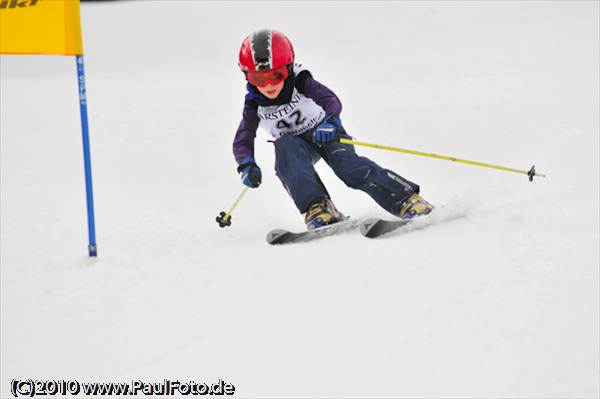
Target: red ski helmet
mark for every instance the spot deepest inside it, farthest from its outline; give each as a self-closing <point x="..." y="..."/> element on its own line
<point x="265" y="49"/>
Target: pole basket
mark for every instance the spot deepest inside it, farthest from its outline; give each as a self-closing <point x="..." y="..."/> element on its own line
<point x="531" y="173"/>
<point x="224" y="219"/>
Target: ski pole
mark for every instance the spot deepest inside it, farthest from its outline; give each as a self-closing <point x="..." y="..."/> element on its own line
<point x="224" y="218"/>
<point x="531" y="172"/>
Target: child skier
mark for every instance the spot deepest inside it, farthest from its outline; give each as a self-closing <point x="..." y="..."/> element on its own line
<point x="303" y="116"/>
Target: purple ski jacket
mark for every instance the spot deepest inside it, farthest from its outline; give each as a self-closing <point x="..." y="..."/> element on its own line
<point x="243" y="143"/>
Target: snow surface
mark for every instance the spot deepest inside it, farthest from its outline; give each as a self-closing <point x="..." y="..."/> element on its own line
<point x="500" y="301"/>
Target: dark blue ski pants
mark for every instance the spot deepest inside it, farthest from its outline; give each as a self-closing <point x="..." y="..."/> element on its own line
<point x="295" y="157"/>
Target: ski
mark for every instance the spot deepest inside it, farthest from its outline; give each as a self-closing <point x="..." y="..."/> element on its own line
<point x="280" y="236"/>
<point x="377" y="227"/>
<point x="373" y="228"/>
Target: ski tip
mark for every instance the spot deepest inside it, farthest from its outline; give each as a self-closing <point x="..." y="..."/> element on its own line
<point x="275" y="236"/>
<point x="366" y="226"/>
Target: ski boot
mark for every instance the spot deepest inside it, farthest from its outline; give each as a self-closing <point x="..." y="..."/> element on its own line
<point x="321" y="212"/>
<point x="415" y="206"/>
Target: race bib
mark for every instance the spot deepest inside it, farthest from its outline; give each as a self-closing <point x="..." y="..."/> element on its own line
<point x="298" y="116"/>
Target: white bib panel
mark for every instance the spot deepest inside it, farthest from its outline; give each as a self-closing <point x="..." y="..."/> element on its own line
<point x="298" y="116"/>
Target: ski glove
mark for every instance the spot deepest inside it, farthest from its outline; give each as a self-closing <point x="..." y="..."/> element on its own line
<point x="326" y="132"/>
<point x="250" y="172"/>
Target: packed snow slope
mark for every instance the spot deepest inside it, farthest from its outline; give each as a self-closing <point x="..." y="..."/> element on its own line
<point x="500" y="299"/>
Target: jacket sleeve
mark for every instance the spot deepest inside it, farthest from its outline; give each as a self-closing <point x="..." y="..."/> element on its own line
<point x="320" y="94"/>
<point x="243" y="143"/>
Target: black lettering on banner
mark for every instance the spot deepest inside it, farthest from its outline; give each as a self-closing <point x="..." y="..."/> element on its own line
<point x="17" y="3"/>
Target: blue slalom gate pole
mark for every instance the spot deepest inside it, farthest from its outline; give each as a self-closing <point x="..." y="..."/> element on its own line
<point x="92" y="249"/>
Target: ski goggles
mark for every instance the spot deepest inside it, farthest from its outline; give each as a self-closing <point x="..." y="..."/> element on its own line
<point x="263" y="78"/>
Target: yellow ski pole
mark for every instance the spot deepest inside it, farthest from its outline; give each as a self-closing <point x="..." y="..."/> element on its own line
<point x="531" y="172"/>
<point x="224" y="218"/>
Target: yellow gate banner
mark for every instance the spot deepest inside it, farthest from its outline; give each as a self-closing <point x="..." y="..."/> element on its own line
<point x="40" y="27"/>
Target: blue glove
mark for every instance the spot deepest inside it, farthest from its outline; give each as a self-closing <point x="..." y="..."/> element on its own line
<point x="326" y="132"/>
<point x="250" y="172"/>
